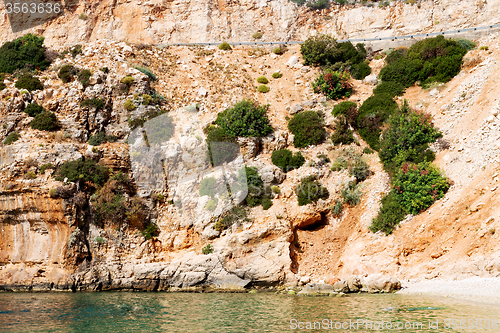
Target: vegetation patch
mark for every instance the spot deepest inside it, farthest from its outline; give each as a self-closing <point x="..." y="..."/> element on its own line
<point x="33" y="109"/>
<point x="277" y="75"/>
<point x="66" y="73"/>
<point x="222" y="147"/>
<point x="342" y="134"/>
<point x="245" y="119"/>
<point x="45" y="121"/>
<point x="24" y="52"/>
<point x="225" y="46"/>
<point x="263" y="88"/>
<point x="286" y="160"/>
<point x="11" y="138"/>
<point x="390" y="88"/>
<point x="83" y="170"/>
<point x="263" y="80"/>
<point x="351" y="194"/>
<point x="310" y="190"/>
<point x="84" y="77"/>
<point x="100" y="138"/>
<point x="147" y="72"/>
<point x="307" y="128"/>
<point x="333" y="84"/>
<point x="97" y="103"/>
<point x="237" y="214"/>
<point x="29" y="82"/>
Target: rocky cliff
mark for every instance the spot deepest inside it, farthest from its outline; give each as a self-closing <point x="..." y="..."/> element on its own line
<point x="49" y="241"/>
<point x="236" y="21"/>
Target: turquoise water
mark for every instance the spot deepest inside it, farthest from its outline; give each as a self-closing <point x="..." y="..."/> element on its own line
<point x="224" y="312"/>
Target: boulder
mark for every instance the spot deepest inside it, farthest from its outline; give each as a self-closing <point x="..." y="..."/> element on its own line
<point x="292" y="61"/>
<point x="371" y="80"/>
<point x="380" y="283"/>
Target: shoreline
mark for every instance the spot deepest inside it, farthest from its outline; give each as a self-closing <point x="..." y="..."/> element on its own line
<point x="476" y="290"/>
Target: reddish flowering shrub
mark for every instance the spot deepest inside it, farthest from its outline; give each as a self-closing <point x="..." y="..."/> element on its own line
<point x="333" y="84"/>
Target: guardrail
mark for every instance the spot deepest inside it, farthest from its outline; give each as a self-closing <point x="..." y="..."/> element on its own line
<point x="358" y="40"/>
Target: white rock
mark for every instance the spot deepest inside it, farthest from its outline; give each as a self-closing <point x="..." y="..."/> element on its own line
<point x="202" y="92"/>
<point x="371" y="79"/>
<point x="434" y="92"/>
<point x="292" y="61"/>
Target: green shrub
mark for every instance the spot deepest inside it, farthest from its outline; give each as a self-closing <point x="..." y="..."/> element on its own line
<point x="465" y="43"/>
<point x="100" y="138"/>
<point x="318" y="4"/>
<point x="333" y="84"/>
<point x="146" y="99"/>
<point x="225" y="46"/>
<point x="11" y="138"/>
<point x="75" y="50"/>
<point x="277" y="75"/>
<point x="97" y="103"/>
<point x="351" y="194"/>
<point x="23" y="52"/>
<point x="360" y="70"/>
<point x="216" y="136"/>
<point x="30" y="175"/>
<point x="2" y="85"/>
<point x="66" y="73"/>
<point x="276" y="189"/>
<point x="368" y="151"/>
<point x="45" y="121"/>
<point x="208" y="186"/>
<point x="263" y="80"/>
<point x="146" y="71"/>
<point x="211" y="204"/>
<point x="140" y="121"/>
<point x="277" y="50"/>
<point x="160" y="130"/>
<point x="337" y="208"/>
<point x="390" y="88"/>
<point x="417" y="186"/>
<point x="307" y="128"/>
<point x="29" y="82"/>
<point x="255" y="186"/>
<point x="342" y="134"/>
<point x="266" y="203"/>
<point x="84" y="77"/>
<point x="104" y="70"/>
<point x="44" y="167"/>
<point x="207" y="249"/>
<point x="286" y="161"/>
<point x="257" y="35"/>
<point x="150" y="231"/>
<point x="310" y="190"/>
<point x="34" y="109"/>
<point x="263" y="88"/>
<point x="129" y="105"/>
<point x="236" y="214"/>
<point x="349" y="110"/>
<point x="245" y="119"/>
<point x="371" y="116"/>
<point x="128" y="80"/>
<point x="83" y="170"/>
<point x="430" y="60"/>
<point x="390" y="214"/>
<point x="484" y="48"/>
<point x="407" y="138"/>
<point x="359" y="169"/>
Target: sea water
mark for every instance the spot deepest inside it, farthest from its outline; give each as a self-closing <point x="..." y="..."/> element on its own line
<point x="240" y="312"/>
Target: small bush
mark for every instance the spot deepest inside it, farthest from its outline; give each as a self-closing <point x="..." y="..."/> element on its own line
<point x="104" y="70"/>
<point x="160" y="130"/>
<point x="34" y="109"/>
<point x="390" y="214"/>
<point x="234" y="215"/>
<point x="367" y="150"/>
<point x="333" y="84"/>
<point x="263" y="80"/>
<point x="128" y="80"/>
<point x="83" y="170"/>
<point x="129" y="105"/>
<point x="417" y="186"/>
<point x="371" y="116"/>
<point x="351" y="194"/>
<point x="360" y="70"/>
<point x="390" y="88"/>
<point x="277" y="50"/>
<point x="257" y="35"/>
<point x="286" y="161"/>
<point x="23" y="52"/>
<point x="276" y="189"/>
<point x="208" y="186"/>
<point x="100" y="138"/>
<point x="263" y="88"/>
<point x="97" y="103"/>
<point x="307" y="128"/>
<point x="277" y="75"/>
<point x="207" y="249"/>
<point x="266" y="203"/>
<point x="44" y="167"/>
<point x="337" y="208"/>
<point x="45" y="121"/>
<point x="359" y="169"/>
<point x="146" y="71"/>
<point x="30" y="175"/>
<point x="245" y="119"/>
<point x="29" y="82"/>
<point x="211" y="204"/>
<point x="349" y="110"/>
<point x="218" y="156"/>
<point x="484" y="48"/>
<point x="255" y="186"/>
<point x="84" y="77"/>
<point x="66" y="73"/>
<point x="11" y="138"/>
<point x="146" y="99"/>
<point x="342" y="134"/>
<point x="150" y="231"/>
<point x="225" y="46"/>
<point x="310" y="190"/>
